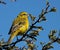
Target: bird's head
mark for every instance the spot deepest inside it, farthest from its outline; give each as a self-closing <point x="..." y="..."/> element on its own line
<point x="24" y="14"/>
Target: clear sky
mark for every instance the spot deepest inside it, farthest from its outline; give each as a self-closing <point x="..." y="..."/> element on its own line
<point x="9" y="11"/>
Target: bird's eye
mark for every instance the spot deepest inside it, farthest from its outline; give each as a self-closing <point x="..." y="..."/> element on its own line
<point x="24" y="14"/>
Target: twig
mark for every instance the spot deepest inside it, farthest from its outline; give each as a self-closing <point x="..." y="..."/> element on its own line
<point x="40" y="16"/>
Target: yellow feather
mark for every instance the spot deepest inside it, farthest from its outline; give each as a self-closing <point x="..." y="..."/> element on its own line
<point x="19" y="26"/>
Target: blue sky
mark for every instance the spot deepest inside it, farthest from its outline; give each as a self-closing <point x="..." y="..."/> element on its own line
<point x="9" y="11"/>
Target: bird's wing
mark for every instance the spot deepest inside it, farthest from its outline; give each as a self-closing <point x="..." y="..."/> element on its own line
<point x="15" y="27"/>
<point x="10" y="30"/>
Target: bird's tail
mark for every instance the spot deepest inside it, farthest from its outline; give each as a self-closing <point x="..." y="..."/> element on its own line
<point x="12" y="37"/>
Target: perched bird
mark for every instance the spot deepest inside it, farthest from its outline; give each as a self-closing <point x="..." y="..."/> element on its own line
<point x="19" y="26"/>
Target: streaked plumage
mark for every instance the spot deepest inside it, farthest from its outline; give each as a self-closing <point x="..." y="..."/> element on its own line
<point x="19" y="26"/>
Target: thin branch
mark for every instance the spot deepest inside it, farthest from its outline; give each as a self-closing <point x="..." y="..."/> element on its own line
<point x="40" y="16"/>
<point x="3" y="2"/>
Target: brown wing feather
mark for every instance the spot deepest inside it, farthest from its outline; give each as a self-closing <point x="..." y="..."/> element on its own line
<point x="15" y="27"/>
<point x="10" y="30"/>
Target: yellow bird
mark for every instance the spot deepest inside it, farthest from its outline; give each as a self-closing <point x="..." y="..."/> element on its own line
<point x="19" y="26"/>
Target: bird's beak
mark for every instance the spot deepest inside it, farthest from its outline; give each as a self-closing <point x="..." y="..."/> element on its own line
<point x="27" y="14"/>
